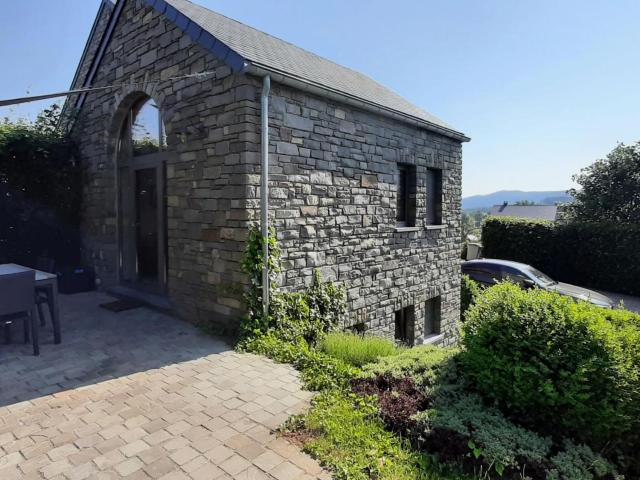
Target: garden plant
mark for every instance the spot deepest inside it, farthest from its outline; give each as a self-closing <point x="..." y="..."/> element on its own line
<point x="528" y="360"/>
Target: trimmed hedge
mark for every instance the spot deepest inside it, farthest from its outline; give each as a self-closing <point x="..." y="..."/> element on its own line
<point x="558" y="366"/>
<point x="603" y="256"/>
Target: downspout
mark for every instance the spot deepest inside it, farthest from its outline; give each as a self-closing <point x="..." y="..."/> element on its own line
<point x="264" y="190"/>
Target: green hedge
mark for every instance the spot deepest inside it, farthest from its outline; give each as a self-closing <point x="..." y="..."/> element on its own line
<point x="602" y="256"/>
<point x="40" y="193"/>
<point x="559" y="366"/>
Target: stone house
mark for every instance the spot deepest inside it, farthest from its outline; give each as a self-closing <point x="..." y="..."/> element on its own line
<point x="363" y="185"/>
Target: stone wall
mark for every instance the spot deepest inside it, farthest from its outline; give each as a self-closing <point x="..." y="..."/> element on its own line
<point x="334" y="172"/>
<point x="207" y="181"/>
<point x="333" y="185"/>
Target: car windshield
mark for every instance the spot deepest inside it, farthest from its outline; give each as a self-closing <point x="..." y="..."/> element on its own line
<point x="541" y="277"/>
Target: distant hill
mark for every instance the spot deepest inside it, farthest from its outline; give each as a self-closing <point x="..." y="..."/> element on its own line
<point x="487" y="201"/>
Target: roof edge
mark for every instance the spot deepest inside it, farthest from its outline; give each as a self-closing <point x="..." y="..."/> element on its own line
<point x="92" y="33"/>
<point x="241" y="65"/>
<point x="286" y="78"/>
<point x="199" y="35"/>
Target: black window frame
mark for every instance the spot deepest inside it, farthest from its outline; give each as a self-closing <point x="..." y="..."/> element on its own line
<point x="434" y="188"/>
<point x="432" y="316"/>
<point x="405" y="325"/>
<point x="406" y="195"/>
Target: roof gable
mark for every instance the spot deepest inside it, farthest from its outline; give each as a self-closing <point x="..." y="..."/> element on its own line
<point x="246" y="49"/>
<point x="93" y="43"/>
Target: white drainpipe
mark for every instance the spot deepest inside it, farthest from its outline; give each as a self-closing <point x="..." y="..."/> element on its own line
<point x="264" y="190"/>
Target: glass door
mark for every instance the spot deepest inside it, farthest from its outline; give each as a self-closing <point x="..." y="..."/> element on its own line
<point x="142" y="156"/>
<point x="147" y="227"/>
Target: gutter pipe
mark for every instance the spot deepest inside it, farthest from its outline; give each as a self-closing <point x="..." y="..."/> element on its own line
<point x="264" y="190"/>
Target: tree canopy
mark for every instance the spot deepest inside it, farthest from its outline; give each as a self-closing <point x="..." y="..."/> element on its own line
<point x="610" y="188"/>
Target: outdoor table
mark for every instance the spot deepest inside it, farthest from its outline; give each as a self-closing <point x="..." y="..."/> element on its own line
<point x="48" y="281"/>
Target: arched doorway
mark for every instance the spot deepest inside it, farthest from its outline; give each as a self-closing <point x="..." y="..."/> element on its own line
<point x="142" y="156"/>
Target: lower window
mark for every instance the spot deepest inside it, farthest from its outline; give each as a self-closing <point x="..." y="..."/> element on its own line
<point x="432" y="313"/>
<point x="405" y="320"/>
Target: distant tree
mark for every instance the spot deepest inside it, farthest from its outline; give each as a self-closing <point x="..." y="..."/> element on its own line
<point x="610" y="188"/>
<point x="524" y="203"/>
<point x="472" y="222"/>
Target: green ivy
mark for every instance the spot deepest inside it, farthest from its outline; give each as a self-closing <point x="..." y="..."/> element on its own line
<point x="308" y="314"/>
<point x="252" y="264"/>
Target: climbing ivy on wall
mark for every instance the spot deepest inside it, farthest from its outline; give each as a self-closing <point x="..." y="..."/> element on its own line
<point x="307" y="314"/>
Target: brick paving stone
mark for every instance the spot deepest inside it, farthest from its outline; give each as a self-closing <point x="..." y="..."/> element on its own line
<point x="132" y="449"/>
<point x="234" y="465"/>
<point x="140" y="395"/>
<point x="268" y="460"/>
<point x="206" y="472"/>
<point x="286" y="471"/>
<point x="253" y="473"/>
<point x="129" y="466"/>
<point x="160" y="467"/>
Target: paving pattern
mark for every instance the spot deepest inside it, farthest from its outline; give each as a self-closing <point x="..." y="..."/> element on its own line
<point x="141" y="395"/>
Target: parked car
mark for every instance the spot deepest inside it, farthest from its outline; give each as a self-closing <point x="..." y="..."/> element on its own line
<point x="489" y="271"/>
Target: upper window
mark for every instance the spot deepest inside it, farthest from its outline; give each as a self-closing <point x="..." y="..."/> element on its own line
<point x="147" y="130"/>
<point x="434" y="196"/>
<point x="406" y="196"/>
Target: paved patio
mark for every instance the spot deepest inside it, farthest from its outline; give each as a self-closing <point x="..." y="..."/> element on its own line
<point x="141" y="395"/>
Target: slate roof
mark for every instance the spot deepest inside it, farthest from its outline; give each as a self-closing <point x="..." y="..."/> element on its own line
<point x="539" y="212"/>
<point x="247" y="45"/>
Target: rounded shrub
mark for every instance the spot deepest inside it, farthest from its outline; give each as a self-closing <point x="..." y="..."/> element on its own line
<point x="559" y="366"/>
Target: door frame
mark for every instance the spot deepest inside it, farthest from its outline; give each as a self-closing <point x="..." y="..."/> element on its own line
<point x="127" y="166"/>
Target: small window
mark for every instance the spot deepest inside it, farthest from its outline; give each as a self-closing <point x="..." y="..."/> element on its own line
<point x="406" y="208"/>
<point x="405" y="320"/>
<point x="432" y="312"/>
<point x="434" y="196"/>
<point x="358" y="328"/>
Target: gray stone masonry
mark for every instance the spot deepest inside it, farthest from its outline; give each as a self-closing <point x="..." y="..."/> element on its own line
<point x="333" y="183"/>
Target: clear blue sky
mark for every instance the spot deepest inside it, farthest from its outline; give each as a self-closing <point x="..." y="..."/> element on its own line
<point x="542" y="87"/>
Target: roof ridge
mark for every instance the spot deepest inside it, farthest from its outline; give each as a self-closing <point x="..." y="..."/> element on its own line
<point x="246" y="49"/>
<point x="288" y="42"/>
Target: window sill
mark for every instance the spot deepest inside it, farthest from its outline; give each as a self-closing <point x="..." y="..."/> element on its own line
<point x="434" y="339"/>
<point x="407" y="229"/>
<point x="435" y="227"/>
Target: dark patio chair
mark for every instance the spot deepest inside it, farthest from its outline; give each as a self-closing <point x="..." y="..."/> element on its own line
<point x="17" y="302"/>
<point x="43" y="294"/>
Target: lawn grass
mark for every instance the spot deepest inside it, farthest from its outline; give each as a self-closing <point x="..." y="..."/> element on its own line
<point x="357" y="350"/>
<point x="350" y="439"/>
